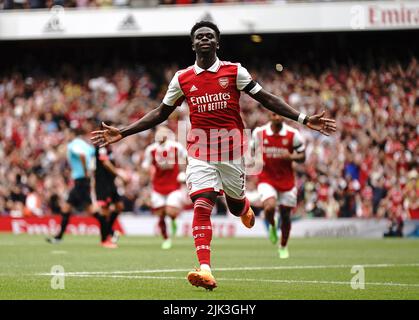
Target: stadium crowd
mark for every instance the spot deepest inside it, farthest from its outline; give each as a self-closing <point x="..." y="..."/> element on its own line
<point x="367" y="169"/>
<point x="80" y="4"/>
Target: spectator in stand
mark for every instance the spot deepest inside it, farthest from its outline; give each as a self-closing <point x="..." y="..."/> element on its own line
<point x="15" y="4"/>
<point x="83" y="3"/>
<point x="37" y="4"/>
<point x="103" y="3"/>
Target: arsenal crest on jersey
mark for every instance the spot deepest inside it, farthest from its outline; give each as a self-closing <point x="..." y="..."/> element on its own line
<point x="284" y="142"/>
<point x="223" y="82"/>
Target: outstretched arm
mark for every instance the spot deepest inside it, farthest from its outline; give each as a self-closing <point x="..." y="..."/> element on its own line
<point x="279" y="106"/>
<point x="111" y="134"/>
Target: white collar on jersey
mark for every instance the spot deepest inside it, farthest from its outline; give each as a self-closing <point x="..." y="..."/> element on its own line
<point x="214" y="68"/>
<point x="282" y="132"/>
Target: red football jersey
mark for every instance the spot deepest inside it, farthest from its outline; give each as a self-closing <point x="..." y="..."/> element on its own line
<point x="212" y="95"/>
<point x="165" y="160"/>
<point x="276" y="171"/>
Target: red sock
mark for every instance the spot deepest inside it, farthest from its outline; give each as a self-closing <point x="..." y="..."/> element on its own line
<point x="162" y="226"/>
<point x="202" y="229"/>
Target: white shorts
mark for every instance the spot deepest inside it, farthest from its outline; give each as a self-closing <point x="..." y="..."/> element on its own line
<point x="177" y="199"/>
<point x="287" y="198"/>
<point x="204" y="176"/>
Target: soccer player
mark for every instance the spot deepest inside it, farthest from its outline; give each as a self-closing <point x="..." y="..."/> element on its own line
<point x="212" y="90"/>
<point x="280" y="144"/>
<point x="165" y="157"/>
<point x="81" y="158"/>
<point x="107" y="196"/>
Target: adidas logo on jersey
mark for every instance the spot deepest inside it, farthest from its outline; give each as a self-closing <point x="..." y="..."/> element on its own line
<point x="193" y="88"/>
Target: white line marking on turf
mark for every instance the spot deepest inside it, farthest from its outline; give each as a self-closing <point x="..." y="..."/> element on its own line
<point x="58" y="252"/>
<point x="382" y="265"/>
<point x="386" y="284"/>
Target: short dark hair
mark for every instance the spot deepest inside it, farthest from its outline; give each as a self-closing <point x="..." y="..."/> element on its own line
<point x="77" y="130"/>
<point x="207" y="24"/>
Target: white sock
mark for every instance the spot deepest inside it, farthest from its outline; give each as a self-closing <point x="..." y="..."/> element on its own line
<point x="205" y="267"/>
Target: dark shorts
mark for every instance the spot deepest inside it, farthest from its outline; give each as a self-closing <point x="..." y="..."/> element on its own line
<point x="106" y="194"/>
<point x="79" y="196"/>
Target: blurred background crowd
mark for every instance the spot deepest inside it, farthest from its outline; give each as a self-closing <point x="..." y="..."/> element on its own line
<point x="82" y="4"/>
<point x="367" y="169"/>
<point x="41" y="4"/>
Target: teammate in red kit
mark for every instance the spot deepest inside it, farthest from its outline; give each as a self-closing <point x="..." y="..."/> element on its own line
<point x="395" y="208"/>
<point x="280" y="144"/>
<point x="212" y="91"/>
<point x="166" y="157"/>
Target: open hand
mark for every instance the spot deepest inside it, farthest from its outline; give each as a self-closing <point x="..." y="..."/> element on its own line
<point x="321" y="124"/>
<point x="106" y="136"/>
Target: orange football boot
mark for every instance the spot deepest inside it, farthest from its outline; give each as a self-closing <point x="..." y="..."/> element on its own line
<point x="202" y="278"/>
<point x="109" y="244"/>
<point x="248" y="219"/>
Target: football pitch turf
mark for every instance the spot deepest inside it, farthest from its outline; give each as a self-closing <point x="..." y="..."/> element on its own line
<point x="244" y="268"/>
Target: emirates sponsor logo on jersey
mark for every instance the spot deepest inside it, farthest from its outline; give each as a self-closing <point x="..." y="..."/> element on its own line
<point x="223" y="82"/>
<point x="211" y="102"/>
<point x="207" y="98"/>
<point x="274" y="152"/>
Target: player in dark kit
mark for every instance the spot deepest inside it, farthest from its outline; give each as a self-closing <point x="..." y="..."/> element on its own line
<point x="107" y="196"/>
<point x="212" y="90"/>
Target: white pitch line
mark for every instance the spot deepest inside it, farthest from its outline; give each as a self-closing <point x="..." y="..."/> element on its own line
<point x="58" y="252"/>
<point x="385" y="284"/>
<point x="327" y="282"/>
<point x="239" y="269"/>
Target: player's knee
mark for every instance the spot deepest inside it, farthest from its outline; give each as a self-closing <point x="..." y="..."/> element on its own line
<point x="172" y="211"/>
<point x="269" y="206"/>
<point x="66" y="208"/>
<point x="159" y="212"/>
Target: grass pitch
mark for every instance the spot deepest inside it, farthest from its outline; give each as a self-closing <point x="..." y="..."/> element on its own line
<point x="244" y="268"/>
